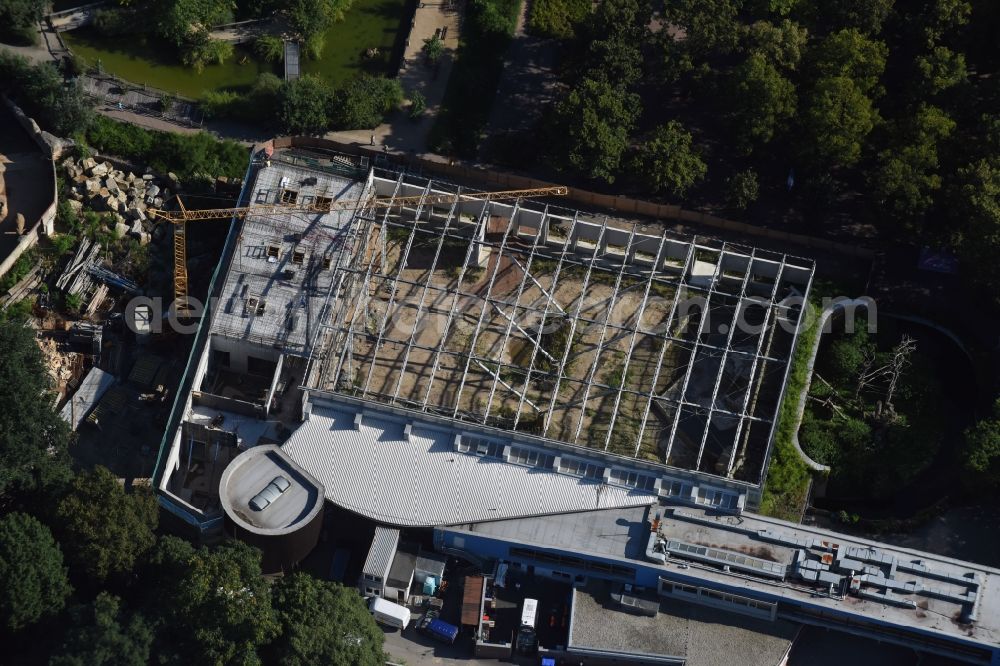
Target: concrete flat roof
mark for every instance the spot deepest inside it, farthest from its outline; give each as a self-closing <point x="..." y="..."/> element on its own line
<point x="894" y="586"/>
<point x="936" y="584"/>
<point x="286" y="262"/>
<point x="250" y="472"/>
<point x="699" y="635"/>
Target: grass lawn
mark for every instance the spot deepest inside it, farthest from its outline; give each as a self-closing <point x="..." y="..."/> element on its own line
<point x="144" y="60"/>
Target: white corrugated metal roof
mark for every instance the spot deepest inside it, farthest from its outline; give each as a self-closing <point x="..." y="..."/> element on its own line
<point x="93" y="386"/>
<point x="381" y="553"/>
<point x="376" y="472"/>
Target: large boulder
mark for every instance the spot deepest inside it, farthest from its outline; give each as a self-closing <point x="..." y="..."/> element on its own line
<point x="99" y="169"/>
<point x="121" y="229"/>
<point x="93" y="185"/>
<point x="88" y="163"/>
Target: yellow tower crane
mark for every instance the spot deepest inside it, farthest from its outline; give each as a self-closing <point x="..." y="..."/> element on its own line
<point x="179" y="218"/>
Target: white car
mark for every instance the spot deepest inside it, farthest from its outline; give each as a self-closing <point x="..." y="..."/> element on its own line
<point x="264" y="498"/>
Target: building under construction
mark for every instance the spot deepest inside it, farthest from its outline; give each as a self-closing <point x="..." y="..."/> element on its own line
<point x="614" y="352"/>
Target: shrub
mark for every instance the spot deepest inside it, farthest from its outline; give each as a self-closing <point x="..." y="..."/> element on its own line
<point x="270" y="48"/>
<point x="557" y="18"/>
<point x="220" y="104"/>
<point x="418" y="104"/>
<point x="743" y="188"/>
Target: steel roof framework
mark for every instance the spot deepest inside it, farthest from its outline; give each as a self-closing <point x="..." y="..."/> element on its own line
<point x="724" y="401"/>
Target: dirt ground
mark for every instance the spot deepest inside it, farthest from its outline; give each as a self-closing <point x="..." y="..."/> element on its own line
<point x="484" y="375"/>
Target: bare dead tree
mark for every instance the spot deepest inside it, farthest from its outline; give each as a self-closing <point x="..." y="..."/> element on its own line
<point x="900" y="361"/>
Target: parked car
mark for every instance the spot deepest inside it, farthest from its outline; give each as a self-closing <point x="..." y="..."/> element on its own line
<point x="431" y="625"/>
<point x="264" y="498"/>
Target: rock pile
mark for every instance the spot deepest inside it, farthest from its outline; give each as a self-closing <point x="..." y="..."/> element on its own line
<point x="124" y="194"/>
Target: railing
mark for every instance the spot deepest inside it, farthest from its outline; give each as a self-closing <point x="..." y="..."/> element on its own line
<point x="74" y="10"/>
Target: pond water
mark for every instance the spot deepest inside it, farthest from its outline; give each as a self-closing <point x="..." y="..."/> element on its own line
<point x="144" y="60"/>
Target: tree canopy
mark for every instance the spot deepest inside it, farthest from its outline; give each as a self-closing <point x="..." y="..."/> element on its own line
<point x="216" y="605"/>
<point x="29" y="456"/>
<point x="363" y="101"/>
<point x="982" y="451"/>
<point x="105" y="529"/>
<point x="304" y="103"/>
<point x="595" y="119"/>
<point x="104" y="633"/>
<point x="324" y="623"/>
<point x="33" y="582"/>
<point x="18" y="19"/>
<point x="668" y="162"/>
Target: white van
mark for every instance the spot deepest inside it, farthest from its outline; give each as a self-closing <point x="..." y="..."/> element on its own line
<point x="389" y="614"/>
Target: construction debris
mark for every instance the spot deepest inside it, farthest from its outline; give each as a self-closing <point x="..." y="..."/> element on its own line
<point x="76" y="278"/>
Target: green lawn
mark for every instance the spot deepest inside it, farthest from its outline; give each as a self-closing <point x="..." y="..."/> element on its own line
<point x="368" y="24"/>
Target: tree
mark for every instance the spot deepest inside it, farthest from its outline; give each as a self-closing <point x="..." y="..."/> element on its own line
<point x="324" y="623"/>
<point x="557" y="18"/>
<point x="837" y="119"/>
<point x="982" y="451"/>
<point x="941" y="69"/>
<point x="103" y="633"/>
<point x="18" y="20"/>
<point x="711" y="25"/>
<point x="905" y="179"/>
<point x="937" y="18"/>
<point x="974" y="202"/>
<point x="762" y="101"/>
<point x="33" y="581"/>
<point x="593" y="123"/>
<point x="303" y="105"/>
<point x="201" y="50"/>
<point x="310" y="18"/>
<point x="185" y="22"/>
<point x="615" y="60"/>
<point x="781" y="44"/>
<point x="433" y="49"/>
<point x="743" y="188"/>
<point x="214" y="604"/>
<point x="850" y="54"/>
<point x="105" y="529"/>
<point x="363" y="102"/>
<point x="30" y="457"/>
<point x="865" y="15"/>
<point x="667" y="161"/>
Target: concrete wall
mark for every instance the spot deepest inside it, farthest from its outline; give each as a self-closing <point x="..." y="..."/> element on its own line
<point x="458" y="172"/>
<point x="281" y="553"/>
<point x="240" y="351"/>
<point x="45" y="224"/>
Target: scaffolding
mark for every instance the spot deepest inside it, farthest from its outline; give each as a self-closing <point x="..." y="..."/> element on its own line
<point x="563" y="325"/>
